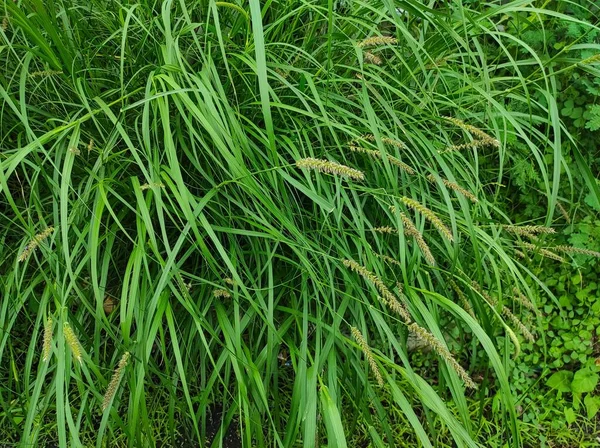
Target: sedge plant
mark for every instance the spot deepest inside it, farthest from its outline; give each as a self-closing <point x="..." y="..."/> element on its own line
<point x="191" y="192"/>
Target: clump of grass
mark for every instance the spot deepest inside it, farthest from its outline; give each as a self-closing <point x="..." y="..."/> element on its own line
<point x="223" y="130"/>
<point x="434" y="343"/>
<point x="325" y="166"/>
<point x="359" y="338"/>
<point x="35" y="242"/>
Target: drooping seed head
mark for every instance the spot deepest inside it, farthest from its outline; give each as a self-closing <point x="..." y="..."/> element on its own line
<point x="411" y="230"/>
<point x="436" y="345"/>
<point x="576" y="250"/>
<point x="358" y="337"/>
<point x="483" y="138"/>
<point x="334" y="168"/>
<point x="371" y="58"/>
<point x="113" y="386"/>
<point x="543" y="252"/>
<point x="529" y="230"/>
<point x="454" y="186"/>
<point x="516" y="322"/>
<point x="221" y="293"/>
<point x="377" y="41"/>
<point x="34" y="243"/>
<point x="430" y="216"/>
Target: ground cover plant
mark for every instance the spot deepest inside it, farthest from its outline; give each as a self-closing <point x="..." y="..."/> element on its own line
<point x="272" y="223"/>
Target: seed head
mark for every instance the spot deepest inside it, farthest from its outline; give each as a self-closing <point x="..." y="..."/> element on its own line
<point x="543" y="252"/>
<point x="514" y="320"/>
<point x="469" y="145"/>
<point x="477" y="287"/>
<point x="378" y="155"/>
<point x="529" y="230"/>
<point x="389" y="259"/>
<point x="576" y="250"/>
<point x="111" y="390"/>
<point x="454" y="186"/>
<point x="152" y="185"/>
<point x="221" y="293"/>
<point x="34" y="243"/>
<point x="371" y="58"/>
<point x="563" y="212"/>
<point x="45" y="73"/>
<point x="47" y="342"/>
<point x="436" y="345"/>
<point x="429" y="215"/>
<point x="591" y="60"/>
<point x="484" y="139"/>
<point x="386" y="229"/>
<point x="386" y="140"/>
<point x="521" y="298"/>
<point x="411" y="230"/>
<point x="387" y="298"/>
<point x="325" y="166"/>
<point x="368" y="354"/>
<point x="377" y="41"/>
<point x="72" y="342"/>
<point x="462" y="297"/>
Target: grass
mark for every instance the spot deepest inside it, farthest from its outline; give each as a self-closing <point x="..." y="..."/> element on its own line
<point x="160" y="140"/>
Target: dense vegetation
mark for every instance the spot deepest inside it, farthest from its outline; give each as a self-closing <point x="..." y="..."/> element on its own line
<point x="299" y="223"/>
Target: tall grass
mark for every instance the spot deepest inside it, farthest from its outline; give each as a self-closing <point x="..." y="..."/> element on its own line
<point x="160" y="140"/>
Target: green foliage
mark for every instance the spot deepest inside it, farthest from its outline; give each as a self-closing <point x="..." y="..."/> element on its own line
<point x="158" y="143"/>
<point x="593" y="118"/>
<point x="556" y="378"/>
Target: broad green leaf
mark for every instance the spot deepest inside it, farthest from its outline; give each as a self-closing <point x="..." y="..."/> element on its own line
<point x="584" y="381"/>
<point x="560" y="381"/>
